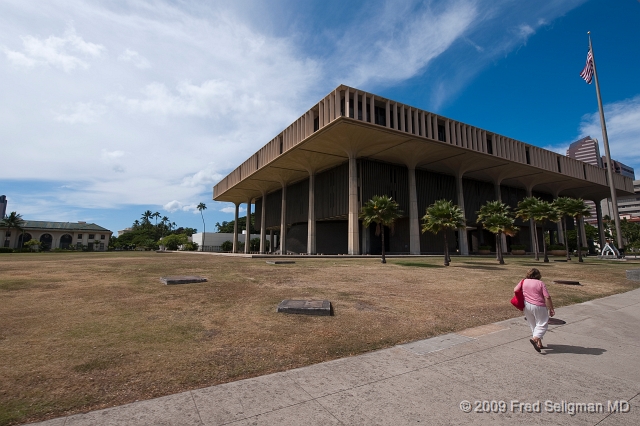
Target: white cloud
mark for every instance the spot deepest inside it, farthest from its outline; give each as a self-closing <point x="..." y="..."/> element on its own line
<point x="172" y="206"/>
<point x="623" y="130"/>
<point x="135" y="58"/>
<point x="81" y="112"/>
<point x="54" y="51"/>
<point x="206" y="176"/>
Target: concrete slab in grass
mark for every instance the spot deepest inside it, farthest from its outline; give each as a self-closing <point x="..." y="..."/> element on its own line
<point x="183" y="279"/>
<point x="280" y="262"/>
<point x="178" y="409"/>
<point x="306" y="307"/>
<point x="633" y="274"/>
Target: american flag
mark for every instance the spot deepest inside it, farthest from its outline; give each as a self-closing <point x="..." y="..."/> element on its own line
<point x="587" y="72"/>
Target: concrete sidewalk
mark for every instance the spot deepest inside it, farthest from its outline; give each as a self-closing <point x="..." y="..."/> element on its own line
<point x="594" y="358"/>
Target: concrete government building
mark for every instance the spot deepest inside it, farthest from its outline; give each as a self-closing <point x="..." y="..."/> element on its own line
<point x="309" y="182"/>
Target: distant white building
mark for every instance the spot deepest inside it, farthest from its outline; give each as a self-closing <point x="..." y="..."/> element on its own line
<point x="214" y="240"/>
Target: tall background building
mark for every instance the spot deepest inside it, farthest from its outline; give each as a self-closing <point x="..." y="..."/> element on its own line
<point x="3" y="206"/>
<point x="588" y="151"/>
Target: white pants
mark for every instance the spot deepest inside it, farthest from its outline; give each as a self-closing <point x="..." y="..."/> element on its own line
<point x="538" y="319"/>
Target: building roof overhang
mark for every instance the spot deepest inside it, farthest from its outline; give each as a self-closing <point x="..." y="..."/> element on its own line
<point x="332" y="145"/>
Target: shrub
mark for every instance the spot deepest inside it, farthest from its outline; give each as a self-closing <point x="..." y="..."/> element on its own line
<point x="172" y="242"/>
<point x="190" y="246"/>
<point x="557" y="247"/>
<point x="226" y="246"/>
<point x="6" y="250"/>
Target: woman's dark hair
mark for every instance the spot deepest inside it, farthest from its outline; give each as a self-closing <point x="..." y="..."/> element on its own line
<point x="534" y="274"/>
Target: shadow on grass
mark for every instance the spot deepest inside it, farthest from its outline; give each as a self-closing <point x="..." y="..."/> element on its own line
<point x="418" y="265"/>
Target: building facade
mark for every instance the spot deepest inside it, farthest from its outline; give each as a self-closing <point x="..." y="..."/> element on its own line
<point x="309" y="182"/>
<point x="3" y="206"/>
<point x="586" y="150"/>
<point x="61" y="235"/>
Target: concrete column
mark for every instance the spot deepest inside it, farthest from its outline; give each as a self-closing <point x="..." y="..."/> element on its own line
<point x="435" y="126"/>
<point x="263" y="221"/>
<point x="247" y="237"/>
<point x="347" y="103"/>
<point x="416" y="123"/>
<point x="271" y="247"/>
<point x="387" y="112"/>
<point x="583" y="233"/>
<point x="354" y="239"/>
<point x="414" y="221"/>
<point x="283" y="221"/>
<point x="401" y="120"/>
<point x="532" y="229"/>
<point x="600" y="224"/>
<point x="311" y="226"/>
<point x="560" y="233"/>
<point x="462" y="232"/>
<point x="396" y="122"/>
<point x="484" y="141"/>
<point x="465" y="141"/>
<point x="337" y="103"/>
<point x="503" y="237"/>
<point x="409" y="120"/>
<point x="372" y="110"/>
<point x="447" y="132"/>
<point x="321" y="114"/>
<point x="235" y="229"/>
<point x="364" y="107"/>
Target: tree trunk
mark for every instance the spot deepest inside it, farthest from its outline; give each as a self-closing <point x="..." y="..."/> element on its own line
<point x="499" y="247"/>
<point x="446" y="250"/>
<point x="536" y="249"/>
<point x="566" y="236"/>
<point x="384" y="260"/>
<point x="578" y="239"/>
<point x="544" y="243"/>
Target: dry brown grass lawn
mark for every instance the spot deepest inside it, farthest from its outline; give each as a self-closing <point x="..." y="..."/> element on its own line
<point x="83" y="331"/>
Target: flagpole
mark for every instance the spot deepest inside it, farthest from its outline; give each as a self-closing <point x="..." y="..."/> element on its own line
<point x="605" y="139"/>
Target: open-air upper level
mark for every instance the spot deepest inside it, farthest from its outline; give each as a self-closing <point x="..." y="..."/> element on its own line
<point x="349" y="122"/>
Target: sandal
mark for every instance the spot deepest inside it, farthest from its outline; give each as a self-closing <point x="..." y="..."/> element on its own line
<point x="535" y="345"/>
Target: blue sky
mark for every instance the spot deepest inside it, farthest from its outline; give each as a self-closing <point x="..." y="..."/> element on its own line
<point x="113" y="108"/>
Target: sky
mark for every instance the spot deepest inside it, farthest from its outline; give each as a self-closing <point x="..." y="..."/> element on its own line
<point x="109" y="109"/>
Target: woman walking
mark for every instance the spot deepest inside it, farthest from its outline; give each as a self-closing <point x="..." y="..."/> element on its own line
<point x="538" y="306"/>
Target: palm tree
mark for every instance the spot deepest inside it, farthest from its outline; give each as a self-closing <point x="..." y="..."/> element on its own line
<point x="542" y="212"/>
<point x="164" y="222"/>
<point x="382" y="211"/>
<point x="562" y="206"/>
<point x="136" y="224"/>
<point x="524" y="211"/>
<point x="156" y="215"/>
<point x="11" y="221"/>
<point x="146" y="216"/>
<point x="578" y="209"/>
<point x="443" y="215"/>
<point x="496" y="217"/>
<point x="202" y="207"/>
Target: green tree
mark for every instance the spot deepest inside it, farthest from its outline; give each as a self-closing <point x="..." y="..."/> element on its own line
<point x="12" y="221"/>
<point x="524" y="211"/>
<point x="562" y="206"/>
<point x="543" y="212"/>
<point x="201" y="207"/>
<point x="34" y="245"/>
<point x="495" y="216"/>
<point x="443" y="216"/>
<point x="578" y="209"/>
<point x="156" y="215"/>
<point x="226" y="246"/>
<point x="173" y="241"/>
<point x="382" y="211"/>
<point x="146" y="218"/>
